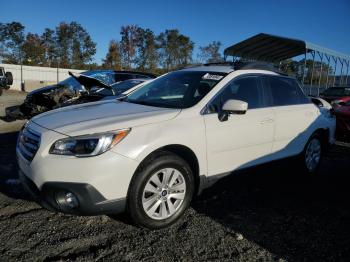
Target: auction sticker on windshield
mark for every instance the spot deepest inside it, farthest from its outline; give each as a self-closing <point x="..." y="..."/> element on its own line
<point x="212" y="77"/>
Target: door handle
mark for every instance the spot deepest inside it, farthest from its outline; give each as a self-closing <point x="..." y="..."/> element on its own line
<point x="267" y="121"/>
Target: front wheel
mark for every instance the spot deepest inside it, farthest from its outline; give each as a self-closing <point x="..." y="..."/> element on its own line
<point x="312" y="154"/>
<point x="161" y="191"/>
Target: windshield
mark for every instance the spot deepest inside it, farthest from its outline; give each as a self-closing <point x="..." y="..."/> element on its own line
<point x="180" y="89"/>
<point x="118" y="88"/>
<point x="125" y="85"/>
<point x="333" y="91"/>
<point x="70" y="82"/>
<point x="104" y="76"/>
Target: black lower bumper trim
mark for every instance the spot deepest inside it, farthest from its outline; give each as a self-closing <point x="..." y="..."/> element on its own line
<point x="91" y="202"/>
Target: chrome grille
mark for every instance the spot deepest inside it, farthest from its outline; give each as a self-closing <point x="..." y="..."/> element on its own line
<point x="28" y="143"/>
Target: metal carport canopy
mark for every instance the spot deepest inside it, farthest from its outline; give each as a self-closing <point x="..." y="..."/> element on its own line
<point x="265" y="47"/>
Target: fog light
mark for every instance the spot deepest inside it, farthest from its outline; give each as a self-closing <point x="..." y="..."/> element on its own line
<point x="71" y="200"/>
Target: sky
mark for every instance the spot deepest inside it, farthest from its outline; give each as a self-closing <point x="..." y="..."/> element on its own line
<point x="325" y="23"/>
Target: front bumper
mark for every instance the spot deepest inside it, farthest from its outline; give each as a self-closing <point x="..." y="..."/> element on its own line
<point x="90" y="201"/>
<point x="100" y="183"/>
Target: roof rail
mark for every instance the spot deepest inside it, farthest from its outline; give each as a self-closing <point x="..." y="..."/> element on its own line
<point x="245" y="65"/>
<point x="224" y="63"/>
<point x="241" y="65"/>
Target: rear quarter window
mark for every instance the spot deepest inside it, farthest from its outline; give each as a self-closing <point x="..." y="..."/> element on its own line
<point x="286" y="91"/>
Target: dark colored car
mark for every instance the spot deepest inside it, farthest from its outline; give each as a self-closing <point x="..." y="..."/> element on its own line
<point x="6" y="80"/>
<point x="334" y="93"/>
<point x="89" y="86"/>
<point x="342" y="113"/>
<point x="99" y="93"/>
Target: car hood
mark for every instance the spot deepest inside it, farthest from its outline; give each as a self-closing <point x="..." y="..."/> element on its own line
<point x="43" y="89"/>
<point x="84" y="80"/>
<point x="102" y="117"/>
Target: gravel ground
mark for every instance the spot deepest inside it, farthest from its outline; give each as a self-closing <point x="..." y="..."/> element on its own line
<point x="269" y="213"/>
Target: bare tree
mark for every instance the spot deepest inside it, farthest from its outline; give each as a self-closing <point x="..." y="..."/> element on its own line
<point x="210" y="53"/>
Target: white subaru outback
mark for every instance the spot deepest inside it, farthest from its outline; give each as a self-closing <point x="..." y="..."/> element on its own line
<point x="151" y="151"/>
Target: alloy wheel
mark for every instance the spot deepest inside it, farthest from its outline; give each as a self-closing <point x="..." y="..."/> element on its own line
<point x="313" y="154"/>
<point x="164" y="193"/>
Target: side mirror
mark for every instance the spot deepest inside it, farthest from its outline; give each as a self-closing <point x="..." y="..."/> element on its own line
<point x="232" y="106"/>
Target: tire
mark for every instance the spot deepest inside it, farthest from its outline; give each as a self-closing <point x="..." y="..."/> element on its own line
<point x="0" y="91"/>
<point x="9" y="78"/>
<point x="154" y="208"/>
<point x="311" y="156"/>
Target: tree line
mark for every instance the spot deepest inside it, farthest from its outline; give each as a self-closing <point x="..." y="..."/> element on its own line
<point x="69" y="45"/>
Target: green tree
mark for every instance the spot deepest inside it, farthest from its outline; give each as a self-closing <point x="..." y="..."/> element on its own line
<point x="63" y="40"/>
<point x="33" y="50"/>
<point x="74" y="45"/>
<point x="147" y="56"/>
<point x="175" y="49"/>
<point x="316" y="71"/>
<point x="48" y="39"/>
<point x="210" y="53"/>
<point x="113" y="57"/>
<point x="11" y="40"/>
<point x="128" y="44"/>
<point x="82" y="48"/>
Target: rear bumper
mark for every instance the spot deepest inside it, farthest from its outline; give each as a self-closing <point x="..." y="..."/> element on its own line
<point x="90" y="201"/>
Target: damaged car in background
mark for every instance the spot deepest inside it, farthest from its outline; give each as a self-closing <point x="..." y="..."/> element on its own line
<point x="81" y="88"/>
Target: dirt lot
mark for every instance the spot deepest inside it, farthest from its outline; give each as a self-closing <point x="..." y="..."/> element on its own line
<point x="269" y="213"/>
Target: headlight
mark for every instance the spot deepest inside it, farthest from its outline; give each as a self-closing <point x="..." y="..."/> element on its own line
<point x="88" y="145"/>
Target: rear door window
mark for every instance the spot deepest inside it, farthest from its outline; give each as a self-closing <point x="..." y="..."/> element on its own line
<point x="286" y="91"/>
